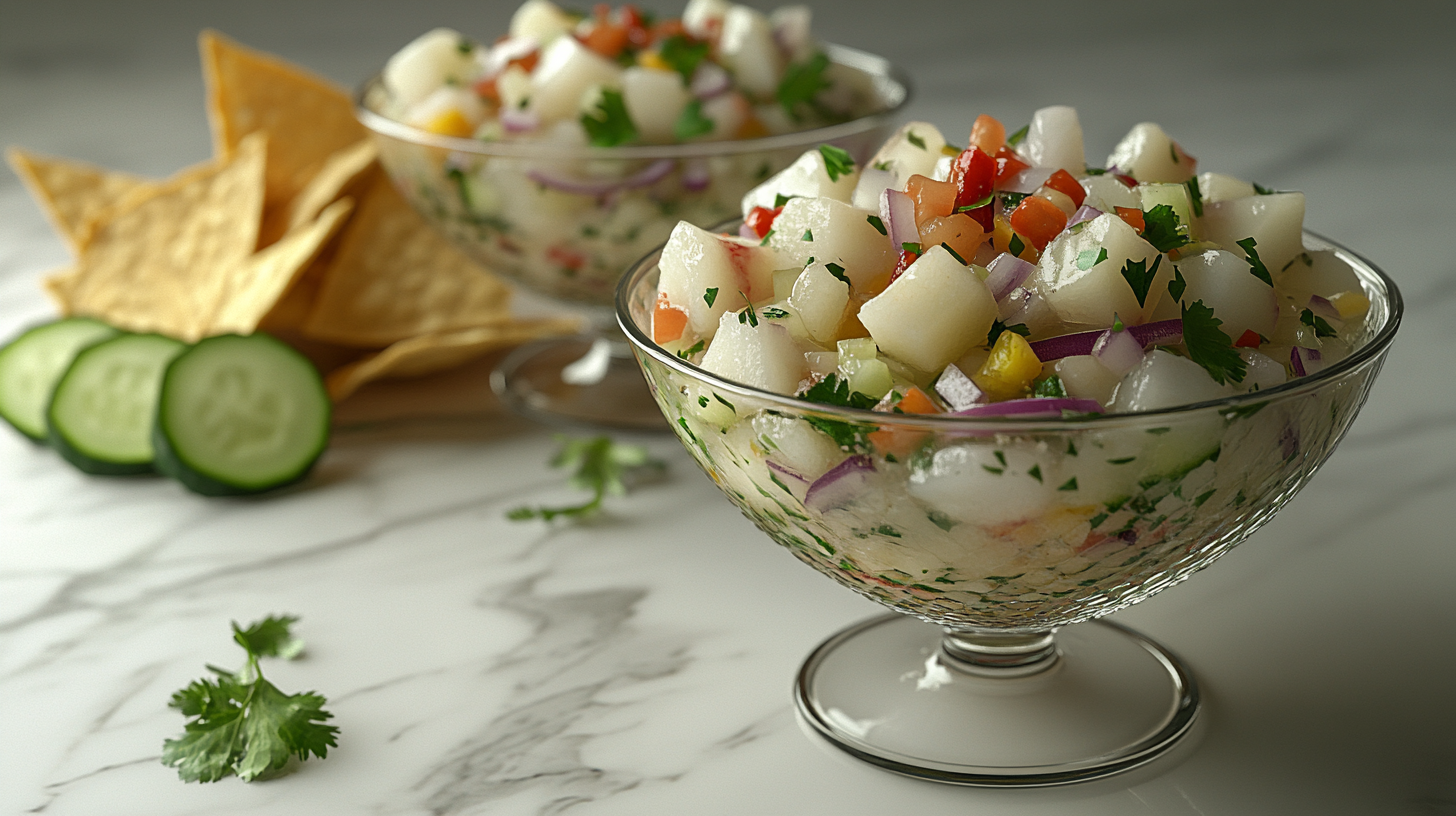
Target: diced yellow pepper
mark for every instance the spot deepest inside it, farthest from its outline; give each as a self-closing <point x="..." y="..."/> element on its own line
<point x="1001" y="234"/>
<point x="451" y="123"/>
<point x="1010" y="370"/>
<point x="652" y="59"/>
<point x="1350" y="304"/>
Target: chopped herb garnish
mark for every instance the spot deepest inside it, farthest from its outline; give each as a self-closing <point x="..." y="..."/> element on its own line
<point x="1256" y="266"/>
<point x="710" y="296"/>
<point x="915" y="140"/>
<point x="954" y="254"/>
<point x="1016" y="245"/>
<point x="1096" y="171"/>
<point x="748" y="315"/>
<point x="1117" y="324"/>
<point x="1262" y="190"/>
<point x="691" y="122"/>
<point x="603" y="467"/>
<point x="877" y="224"/>
<point x="808" y="235"/>
<point x="985" y="202"/>
<point x="1070" y="484"/>
<point x="1162" y="229"/>
<point x="837" y="271"/>
<point x="1195" y="195"/>
<point x="802" y="82"/>
<point x="1122" y="461"/>
<point x="1071" y="448"/>
<point x="688" y="352"/>
<point x="702" y="402"/>
<point x="837" y="161"/>
<point x="1050" y="387"/>
<point x="835" y="391"/>
<point x="1209" y="346"/>
<point x="1017" y="137"/>
<point x="1088" y="258"/>
<point x="911" y="247"/>
<point x="993" y="470"/>
<point x="1173" y="151"/>
<point x="887" y="530"/>
<point x="683" y="55"/>
<point x="1177" y="285"/>
<point x="882" y="165"/>
<point x="725" y="402"/>
<point x="774" y="313"/>
<point x="610" y="125"/>
<point x="1035" y="472"/>
<point x="780" y="199"/>
<point x="766" y="236"/>
<point x="997" y="327"/>
<point x="1140" y="278"/>
<point x="1000" y="457"/>
<point x="1321" y="327"/>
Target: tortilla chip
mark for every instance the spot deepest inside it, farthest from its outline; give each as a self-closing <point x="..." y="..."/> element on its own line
<point x="347" y="172"/>
<point x="429" y="353"/>
<point x="58" y="285"/>
<point x="306" y="117"/>
<point x="269" y="273"/>
<point x="395" y="277"/>
<point x="161" y="260"/>
<point x="71" y="193"/>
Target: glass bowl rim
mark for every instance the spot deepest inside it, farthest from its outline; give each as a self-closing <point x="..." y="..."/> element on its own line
<point x="1371" y="350"/>
<point x="876" y="66"/>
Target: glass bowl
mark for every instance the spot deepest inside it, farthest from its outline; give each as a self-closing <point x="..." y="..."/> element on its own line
<point x="564" y="222"/>
<point x="993" y="534"/>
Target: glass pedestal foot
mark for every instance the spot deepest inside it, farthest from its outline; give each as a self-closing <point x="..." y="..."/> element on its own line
<point x="578" y="381"/>
<point x="895" y="692"/>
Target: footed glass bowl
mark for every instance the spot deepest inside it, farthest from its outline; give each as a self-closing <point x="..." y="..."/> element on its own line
<point x="564" y="221"/>
<point x="992" y="535"/>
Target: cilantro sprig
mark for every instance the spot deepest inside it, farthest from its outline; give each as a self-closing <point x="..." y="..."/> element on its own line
<point x="683" y="55"/>
<point x="1162" y="229"/>
<point x="691" y="122"/>
<point x="241" y="724"/>
<point x="837" y="161"/>
<point x="801" y="85"/>
<point x="602" y="466"/>
<point x="1256" y="266"/>
<point x="609" y="125"/>
<point x="1140" y="277"/>
<point x="1209" y="346"/>
<point x="832" y="390"/>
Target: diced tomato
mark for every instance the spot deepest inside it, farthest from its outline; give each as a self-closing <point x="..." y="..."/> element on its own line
<point x="1127" y="180"/>
<point x="916" y="402"/>
<point x="931" y="197"/>
<point x="1134" y="218"/>
<point x="906" y="258"/>
<point x="988" y="134"/>
<point x="1249" y="339"/>
<point x="901" y="441"/>
<point x="1062" y="182"/>
<point x="973" y="173"/>
<point x="662" y="29"/>
<point x="760" y="219"/>
<point x="1008" y="164"/>
<point x="668" y="321"/>
<point x="1038" y="220"/>
<point x="567" y="258"/>
<point x="605" y="39"/>
<point x="958" y="231"/>
<point x="486" y="89"/>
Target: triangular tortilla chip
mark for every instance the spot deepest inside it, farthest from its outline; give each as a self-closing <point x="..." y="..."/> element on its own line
<point x="395" y="277"/>
<point x="429" y="353"/>
<point x="307" y="118"/>
<point x="71" y="193"/>
<point x="161" y="261"/>
<point x="347" y="172"/>
<point x="58" y="285"/>
<point x="267" y="276"/>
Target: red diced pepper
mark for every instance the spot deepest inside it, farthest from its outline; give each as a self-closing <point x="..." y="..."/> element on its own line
<point x="974" y="174"/>
<point x="1062" y="182"/>
<point x="760" y="219"/>
<point x="906" y="258"/>
<point x="1008" y="164"/>
<point x="1038" y="220"/>
<point x="1134" y="218"/>
<point x="1249" y="339"/>
<point x="1127" y="180"/>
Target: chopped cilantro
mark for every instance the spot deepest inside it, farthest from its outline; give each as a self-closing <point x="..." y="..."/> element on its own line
<point x="780" y="199"/>
<point x="1087" y="258"/>
<point x="683" y="55"/>
<point x="1177" y="285"/>
<point x="1140" y="278"/>
<point x="766" y="236"/>
<point x="997" y="327"/>
<point x="1117" y="324"/>
<point x="837" y="161"/>
<point x="1256" y="266"/>
<point x="1173" y="152"/>
<point x="1070" y="484"/>
<point x="1017" y="137"/>
<point x="995" y="471"/>
<point x="1162" y="229"/>
<point x="877" y="223"/>
<point x="710" y="296"/>
<point x="808" y="235"/>
<point x="837" y="271"/>
<point x="1096" y="171"/>
<point x="602" y="466"/>
<point x="1209" y="346"/>
<point x="725" y="402"/>
<point x="1016" y="246"/>
<point x="882" y="165"/>
<point x="1035" y="472"/>
<point x="774" y="313"/>
<point x="1195" y="195"/>
<point x="1000" y="457"/>
<point x="748" y="315"/>
<point x="610" y="125"/>
<point x="1050" y="387"/>
<point x="915" y="140"/>
<point x="976" y="205"/>
<point x="911" y="247"/>
<point x="1071" y="448"/>
<point x="835" y="391"/>
<point x="1122" y="461"/>
<point x="702" y="402"/>
<point x="1262" y="190"/>
<point x="954" y="254"/>
<point x="1321" y="327"/>
<point x="691" y="122"/>
<point x="688" y="352"/>
<point x="802" y="82"/>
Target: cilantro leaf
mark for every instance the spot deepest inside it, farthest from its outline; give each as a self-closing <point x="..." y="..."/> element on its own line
<point x="1256" y="266"/>
<point x="1321" y="327"/>
<point x="1050" y="387"/>
<point x="689" y="352"/>
<point x="1177" y="285"/>
<point x="610" y="125"/>
<point x="1195" y="195"/>
<point x="1209" y="346"/>
<point x="910" y="246"/>
<point x="780" y="199"/>
<point x="915" y="140"/>
<point x="683" y="55"/>
<point x="774" y="313"/>
<point x="877" y="223"/>
<point x="1162" y="229"/>
<point x="691" y="122"/>
<point x="1086" y="259"/>
<point x="241" y="724"/>
<point x="802" y="82"/>
<point x="997" y="327"/>
<point x="602" y="466"/>
<point x="835" y="391"/>
<point x="1016" y="138"/>
<point x="1262" y="190"/>
<point x="1140" y="278"/>
<point x="1016" y="245"/>
<point x="837" y="161"/>
<point x="710" y="295"/>
<point x="954" y="254"/>
<point x="838" y="271"/>
<point x="748" y="315"/>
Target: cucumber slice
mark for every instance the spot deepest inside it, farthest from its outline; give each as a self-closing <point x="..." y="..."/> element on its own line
<point x="101" y="413"/>
<point x="32" y="364"/>
<point x="240" y="415"/>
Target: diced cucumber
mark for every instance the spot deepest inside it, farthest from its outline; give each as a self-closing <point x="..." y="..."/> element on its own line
<point x="240" y="415"/>
<point x="31" y="364"/>
<point x="100" y="415"/>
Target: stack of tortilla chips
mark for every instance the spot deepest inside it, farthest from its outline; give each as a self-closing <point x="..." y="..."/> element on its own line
<point x="292" y="228"/>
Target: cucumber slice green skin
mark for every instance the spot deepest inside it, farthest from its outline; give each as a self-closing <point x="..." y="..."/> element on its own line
<point x="102" y="409"/>
<point x="32" y="364"/>
<point x="218" y="429"/>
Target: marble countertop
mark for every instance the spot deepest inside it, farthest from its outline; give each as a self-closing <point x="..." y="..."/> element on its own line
<point x="642" y="663"/>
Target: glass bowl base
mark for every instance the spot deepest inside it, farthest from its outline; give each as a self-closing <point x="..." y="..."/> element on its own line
<point x="883" y="691"/>
<point x="586" y="380"/>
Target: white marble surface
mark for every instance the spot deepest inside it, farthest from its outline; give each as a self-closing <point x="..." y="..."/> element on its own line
<point x="642" y="663"/>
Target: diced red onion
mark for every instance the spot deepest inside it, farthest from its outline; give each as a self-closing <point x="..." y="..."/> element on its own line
<point x="651" y="174"/>
<point x="1118" y="352"/>
<point x="1028" y="180"/>
<point x="791" y="477"/>
<point x="745" y="231"/>
<point x="695" y="175"/>
<point x="1323" y="307"/>
<point x="710" y="80"/>
<point x="1296" y="362"/>
<point x="1159" y="333"/>
<point x="1034" y="408"/>
<point x="1007" y="273"/>
<point x="897" y="210"/>
<point x="958" y="391"/>
<point x="871" y="185"/>
<point x="519" y="120"/>
<point x="841" y="485"/>
<point x="1083" y="213"/>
